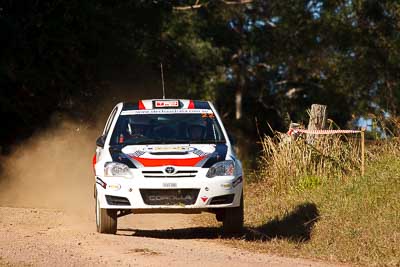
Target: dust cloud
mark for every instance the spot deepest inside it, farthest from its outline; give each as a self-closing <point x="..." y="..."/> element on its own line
<point x="52" y="169"/>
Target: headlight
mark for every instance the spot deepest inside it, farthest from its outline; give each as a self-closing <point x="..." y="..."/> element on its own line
<point x="116" y="169"/>
<point x="222" y="168"/>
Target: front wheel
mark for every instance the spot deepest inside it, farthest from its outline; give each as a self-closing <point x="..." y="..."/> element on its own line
<point x="232" y="221"/>
<point x="106" y="219"/>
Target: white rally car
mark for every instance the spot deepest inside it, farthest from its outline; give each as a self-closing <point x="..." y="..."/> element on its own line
<point x="158" y="156"/>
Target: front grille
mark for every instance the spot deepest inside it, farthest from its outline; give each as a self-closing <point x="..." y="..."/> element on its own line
<point x="225" y="199"/>
<point x="178" y="174"/>
<point x="169" y="153"/>
<point x="117" y="201"/>
<point x="169" y="196"/>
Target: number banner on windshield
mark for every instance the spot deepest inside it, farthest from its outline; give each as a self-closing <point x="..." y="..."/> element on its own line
<point x="167" y="111"/>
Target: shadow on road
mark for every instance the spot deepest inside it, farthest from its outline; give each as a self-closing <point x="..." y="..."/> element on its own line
<point x="296" y="226"/>
<point x="183" y="233"/>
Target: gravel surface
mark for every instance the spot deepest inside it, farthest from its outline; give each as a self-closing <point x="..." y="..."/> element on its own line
<point x="48" y="237"/>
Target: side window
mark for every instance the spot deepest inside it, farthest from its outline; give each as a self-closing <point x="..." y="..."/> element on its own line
<point x="109" y="121"/>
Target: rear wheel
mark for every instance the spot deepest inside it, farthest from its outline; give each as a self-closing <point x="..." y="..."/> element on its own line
<point x="106" y="219"/>
<point x="232" y="221"/>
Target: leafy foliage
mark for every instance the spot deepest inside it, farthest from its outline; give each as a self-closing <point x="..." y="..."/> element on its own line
<point x="281" y="56"/>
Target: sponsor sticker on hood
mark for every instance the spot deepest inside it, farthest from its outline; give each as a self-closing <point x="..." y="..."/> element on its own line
<point x="195" y="155"/>
<point x="205" y="148"/>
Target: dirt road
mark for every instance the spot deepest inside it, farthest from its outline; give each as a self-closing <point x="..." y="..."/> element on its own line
<point x="51" y="174"/>
<point x="48" y="237"/>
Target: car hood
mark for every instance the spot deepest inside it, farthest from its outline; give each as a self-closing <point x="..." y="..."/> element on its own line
<point x="190" y="155"/>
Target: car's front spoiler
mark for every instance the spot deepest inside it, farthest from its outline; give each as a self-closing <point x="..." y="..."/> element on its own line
<point x="208" y="189"/>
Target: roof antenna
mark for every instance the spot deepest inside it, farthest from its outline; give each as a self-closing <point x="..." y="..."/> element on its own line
<point x="162" y="80"/>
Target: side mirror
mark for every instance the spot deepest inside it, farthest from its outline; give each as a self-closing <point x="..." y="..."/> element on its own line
<point x="232" y="140"/>
<point x="101" y="141"/>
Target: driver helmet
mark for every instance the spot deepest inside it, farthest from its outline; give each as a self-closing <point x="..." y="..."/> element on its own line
<point x="196" y="131"/>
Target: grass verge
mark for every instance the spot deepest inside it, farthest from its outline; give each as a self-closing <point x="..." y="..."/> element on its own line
<point x="340" y="218"/>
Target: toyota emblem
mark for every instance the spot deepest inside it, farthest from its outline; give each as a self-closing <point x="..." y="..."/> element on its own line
<point x="170" y="170"/>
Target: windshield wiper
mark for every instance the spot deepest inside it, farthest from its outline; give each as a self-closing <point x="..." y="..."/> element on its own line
<point x="207" y="141"/>
<point x="142" y="141"/>
<point x="175" y="141"/>
<point x="193" y="141"/>
<point x="152" y="141"/>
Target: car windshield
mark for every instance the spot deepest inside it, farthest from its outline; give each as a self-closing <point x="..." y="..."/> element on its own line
<point x="138" y="129"/>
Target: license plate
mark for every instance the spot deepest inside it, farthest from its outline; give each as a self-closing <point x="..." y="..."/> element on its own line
<point x="169" y="185"/>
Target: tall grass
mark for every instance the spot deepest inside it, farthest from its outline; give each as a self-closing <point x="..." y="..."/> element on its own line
<point x="310" y="200"/>
<point x="354" y="220"/>
<point x="316" y="192"/>
<point x="294" y="163"/>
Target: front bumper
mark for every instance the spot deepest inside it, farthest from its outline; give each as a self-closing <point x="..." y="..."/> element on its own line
<point x="172" y="193"/>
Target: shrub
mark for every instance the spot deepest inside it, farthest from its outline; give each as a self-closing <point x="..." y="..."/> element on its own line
<point x="290" y="163"/>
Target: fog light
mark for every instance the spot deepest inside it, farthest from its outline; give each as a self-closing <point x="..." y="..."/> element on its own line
<point x="114" y="187"/>
<point x="226" y="186"/>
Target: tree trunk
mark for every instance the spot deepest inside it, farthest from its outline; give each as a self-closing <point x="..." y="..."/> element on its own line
<point x="317" y="120"/>
<point x="241" y="83"/>
<point x="238" y="102"/>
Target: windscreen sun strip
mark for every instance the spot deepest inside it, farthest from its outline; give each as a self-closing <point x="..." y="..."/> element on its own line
<point x="167" y="111"/>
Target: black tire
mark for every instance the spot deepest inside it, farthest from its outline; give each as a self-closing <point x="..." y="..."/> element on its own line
<point x="106" y="220"/>
<point x="220" y="214"/>
<point x="233" y="219"/>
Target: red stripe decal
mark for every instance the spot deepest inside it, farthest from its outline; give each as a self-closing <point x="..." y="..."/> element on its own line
<point x="141" y="105"/>
<point x="191" y="104"/>
<point x="163" y="162"/>
<point x="94" y="160"/>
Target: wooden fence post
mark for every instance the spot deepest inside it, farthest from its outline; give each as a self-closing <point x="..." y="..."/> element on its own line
<point x="362" y="152"/>
<point x="317" y="120"/>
